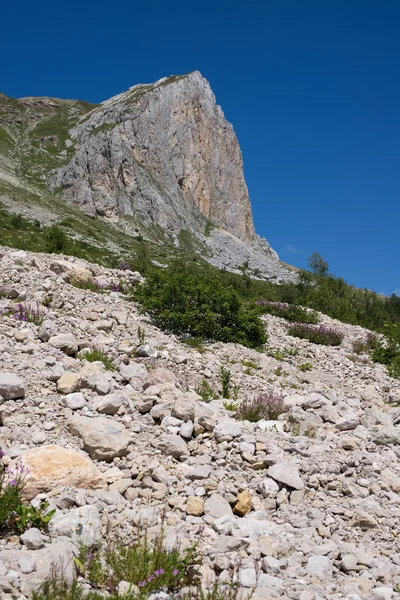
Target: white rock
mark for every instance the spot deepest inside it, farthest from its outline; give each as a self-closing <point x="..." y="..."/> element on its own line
<point x="286" y="473"/>
<point x="11" y="386"/>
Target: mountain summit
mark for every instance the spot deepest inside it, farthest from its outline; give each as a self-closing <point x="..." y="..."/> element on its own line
<point x="157" y="160"/>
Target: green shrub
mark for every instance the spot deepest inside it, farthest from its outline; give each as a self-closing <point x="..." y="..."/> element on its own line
<point x="17" y="221"/>
<point x="97" y="355"/>
<point x="183" y="299"/>
<point x="225" y="377"/>
<point x="206" y="391"/>
<point x="305" y="367"/>
<point x="148" y="566"/>
<point x="265" y="406"/>
<point x="15" y="514"/>
<point x="318" y="335"/>
<point x="290" y="312"/>
<point x="56" y="241"/>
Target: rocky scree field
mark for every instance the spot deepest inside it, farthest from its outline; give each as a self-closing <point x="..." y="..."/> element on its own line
<point x="115" y="428"/>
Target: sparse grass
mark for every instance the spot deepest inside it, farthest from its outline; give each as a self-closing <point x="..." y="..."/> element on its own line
<point x="305" y="367"/>
<point x="249" y="364"/>
<point x="229" y="405"/>
<point x="290" y="312"/>
<point x="364" y="346"/>
<point x="24" y="313"/>
<point x="265" y="406"/>
<point x="97" y="355"/>
<point x="146" y="565"/>
<point x="317" y="335"/>
<point x="206" y="391"/>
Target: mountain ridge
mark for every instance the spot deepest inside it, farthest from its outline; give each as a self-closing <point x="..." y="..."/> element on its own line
<point x="156" y="160"/>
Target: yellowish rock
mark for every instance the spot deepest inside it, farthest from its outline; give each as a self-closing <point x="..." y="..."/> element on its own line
<point x="195" y="506"/>
<point x="243" y="503"/>
<point x="52" y="466"/>
<point x="69" y="383"/>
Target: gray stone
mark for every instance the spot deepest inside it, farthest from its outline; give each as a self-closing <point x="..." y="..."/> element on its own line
<point x="227" y="429"/>
<point x="74" y="401"/>
<point x="133" y="371"/>
<point x="286" y="473"/>
<point x="216" y="506"/>
<point x="320" y="567"/>
<point x="386" y="436"/>
<point x="66" y="342"/>
<point x="173" y="445"/>
<point x="186" y="430"/>
<point x="32" y="538"/>
<point x="27" y="562"/>
<point x="111" y="403"/>
<point x="348" y="562"/>
<point x="47" y="330"/>
<point x="11" y="386"/>
<point x="184" y="409"/>
<point x="82" y="525"/>
<point x="103" y="439"/>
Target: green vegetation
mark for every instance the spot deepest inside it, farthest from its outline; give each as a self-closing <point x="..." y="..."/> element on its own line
<point x="265" y="406"/>
<point x="206" y="391"/>
<point x="305" y="367"/>
<point x="15" y="514"/>
<point x="186" y="299"/>
<point x="290" y="312"/>
<point x="316" y="334"/>
<point x="97" y="355"/>
<point x="145" y="566"/>
<point x="225" y="377"/>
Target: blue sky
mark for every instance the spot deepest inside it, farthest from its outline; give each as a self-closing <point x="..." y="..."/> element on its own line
<point x="312" y="89"/>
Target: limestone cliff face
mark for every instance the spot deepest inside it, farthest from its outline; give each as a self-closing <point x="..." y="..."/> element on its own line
<point x="164" y="154"/>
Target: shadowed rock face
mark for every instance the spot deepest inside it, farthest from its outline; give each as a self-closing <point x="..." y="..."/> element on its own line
<point x="164" y="153"/>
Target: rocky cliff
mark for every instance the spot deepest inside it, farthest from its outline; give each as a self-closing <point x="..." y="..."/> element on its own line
<point x="157" y="160"/>
<point x="164" y="152"/>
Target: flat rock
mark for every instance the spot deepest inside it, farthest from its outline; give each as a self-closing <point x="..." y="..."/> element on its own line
<point x="52" y="466"/>
<point x="82" y="525"/>
<point x="286" y="473"/>
<point x="66" y="342"/>
<point x="11" y="386"/>
<point x="103" y="439"/>
<point x="216" y="506"/>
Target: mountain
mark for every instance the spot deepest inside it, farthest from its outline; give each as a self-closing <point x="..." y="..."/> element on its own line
<point x="158" y="161"/>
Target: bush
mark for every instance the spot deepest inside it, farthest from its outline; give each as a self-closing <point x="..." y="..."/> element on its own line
<point x="361" y="346"/>
<point x="206" y="391"/>
<point x="56" y="240"/>
<point x="290" y="312"/>
<point x="15" y="515"/>
<point x="265" y="406"/>
<point x="387" y="351"/>
<point x="184" y="299"/>
<point x="317" y="335"/>
<point x="147" y="567"/>
<point x="25" y="313"/>
<point x="97" y="355"/>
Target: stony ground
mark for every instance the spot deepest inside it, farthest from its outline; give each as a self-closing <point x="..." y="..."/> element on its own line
<point x="308" y="506"/>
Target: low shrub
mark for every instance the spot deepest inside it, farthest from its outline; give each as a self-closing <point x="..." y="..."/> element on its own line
<point x="146" y="567"/>
<point x="318" y="335"/>
<point x="56" y="241"/>
<point x="206" y="391"/>
<point x="265" y="406"/>
<point x="290" y="312"/>
<point x="225" y="377"/>
<point x="97" y="355"/>
<point x="364" y="346"/>
<point x="305" y="367"/>
<point x="24" y="313"/>
<point x="185" y="299"/>
<point x="15" y="514"/>
<point x="387" y="351"/>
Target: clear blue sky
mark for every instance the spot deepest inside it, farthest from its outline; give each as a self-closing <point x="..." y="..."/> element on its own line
<point x="312" y="88"/>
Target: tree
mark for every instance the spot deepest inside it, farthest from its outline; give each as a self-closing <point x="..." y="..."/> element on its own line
<point x="317" y="264"/>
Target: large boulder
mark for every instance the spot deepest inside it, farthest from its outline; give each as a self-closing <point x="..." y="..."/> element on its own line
<point x="11" y="386"/>
<point x="72" y="272"/>
<point x="286" y="473"/>
<point x="82" y="525"/>
<point x="103" y="439"/>
<point x="52" y="466"/>
<point x="66" y="342"/>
